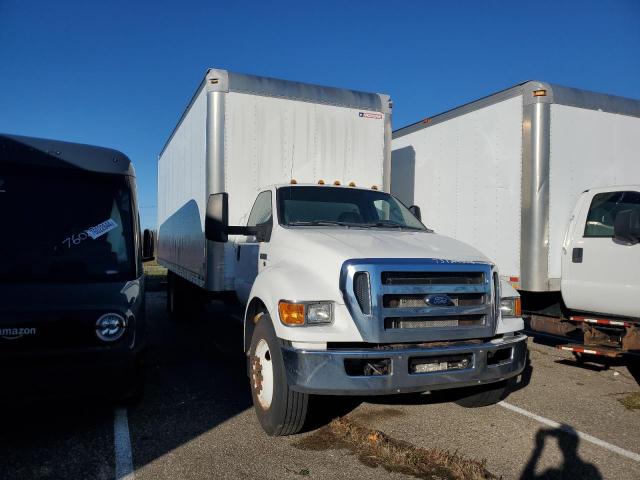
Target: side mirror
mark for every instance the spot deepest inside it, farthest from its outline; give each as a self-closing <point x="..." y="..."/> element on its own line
<point x="626" y="227"/>
<point x="416" y="211"/>
<point x="148" y="245"/>
<point x="216" y="223"/>
<point x="263" y="231"/>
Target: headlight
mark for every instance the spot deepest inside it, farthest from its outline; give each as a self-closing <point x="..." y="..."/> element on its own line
<point x="110" y="327"/>
<point x="510" y="307"/>
<point x="319" y="313"/>
<point x="311" y="313"/>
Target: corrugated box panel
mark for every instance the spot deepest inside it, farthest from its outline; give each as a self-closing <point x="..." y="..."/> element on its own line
<point x="465" y="174"/>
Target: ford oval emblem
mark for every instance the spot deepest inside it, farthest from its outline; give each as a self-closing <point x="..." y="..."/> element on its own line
<point x="439" y="300"/>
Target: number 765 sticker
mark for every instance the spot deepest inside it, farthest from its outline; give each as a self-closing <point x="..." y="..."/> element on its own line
<point x="93" y="233"/>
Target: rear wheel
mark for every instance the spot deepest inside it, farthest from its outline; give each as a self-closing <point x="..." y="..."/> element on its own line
<point x="633" y="365"/>
<point x="280" y="410"/>
<point x="173" y="296"/>
<point x="482" y="396"/>
<point x="184" y="300"/>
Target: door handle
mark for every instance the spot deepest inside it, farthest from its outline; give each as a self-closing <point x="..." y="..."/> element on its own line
<point x="576" y="255"/>
<point x="238" y="253"/>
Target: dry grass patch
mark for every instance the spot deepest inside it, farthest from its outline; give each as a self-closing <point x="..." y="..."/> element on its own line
<point x="156" y="275"/>
<point x="631" y="401"/>
<point x="374" y="448"/>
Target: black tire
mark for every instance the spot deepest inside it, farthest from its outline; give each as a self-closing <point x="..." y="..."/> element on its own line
<point x="180" y="300"/>
<point x="633" y="365"/>
<point x="287" y="411"/>
<point x="172" y="295"/>
<point x="482" y="396"/>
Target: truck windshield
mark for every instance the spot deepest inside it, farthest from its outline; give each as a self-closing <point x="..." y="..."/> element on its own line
<point x="343" y="206"/>
<point x="65" y="228"/>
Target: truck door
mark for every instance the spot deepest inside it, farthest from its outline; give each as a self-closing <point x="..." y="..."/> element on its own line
<point x="599" y="273"/>
<point x="248" y="249"/>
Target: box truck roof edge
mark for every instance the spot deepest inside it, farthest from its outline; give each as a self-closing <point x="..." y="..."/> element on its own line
<point x="76" y="155"/>
<point x="219" y="80"/>
<point x="540" y="92"/>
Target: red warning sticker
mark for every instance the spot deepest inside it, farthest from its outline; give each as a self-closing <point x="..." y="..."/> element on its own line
<point x="377" y="116"/>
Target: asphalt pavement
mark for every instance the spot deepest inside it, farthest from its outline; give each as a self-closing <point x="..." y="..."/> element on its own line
<point x="196" y="420"/>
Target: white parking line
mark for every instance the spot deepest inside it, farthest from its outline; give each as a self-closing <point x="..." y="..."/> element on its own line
<point x="567" y="429"/>
<point x="122" y="440"/>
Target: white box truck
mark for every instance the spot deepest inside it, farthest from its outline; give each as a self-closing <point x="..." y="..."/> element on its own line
<point x="275" y="192"/>
<point x="545" y="180"/>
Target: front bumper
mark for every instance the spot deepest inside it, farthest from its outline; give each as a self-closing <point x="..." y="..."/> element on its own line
<point x="323" y="372"/>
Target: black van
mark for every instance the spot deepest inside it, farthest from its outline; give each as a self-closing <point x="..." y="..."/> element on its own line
<point x="72" y="303"/>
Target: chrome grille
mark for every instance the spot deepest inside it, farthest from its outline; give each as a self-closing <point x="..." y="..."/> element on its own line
<point x="419" y="299"/>
<point x="362" y="289"/>
<point x="432" y="278"/>
<point x="433" y="322"/>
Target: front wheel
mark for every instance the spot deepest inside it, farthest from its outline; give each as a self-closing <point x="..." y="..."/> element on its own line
<point x="280" y="410"/>
<point x="482" y="396"/>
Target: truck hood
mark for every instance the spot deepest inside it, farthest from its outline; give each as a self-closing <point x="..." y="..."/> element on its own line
<point x="299" y="254"/>
<point x="344" y="244"/>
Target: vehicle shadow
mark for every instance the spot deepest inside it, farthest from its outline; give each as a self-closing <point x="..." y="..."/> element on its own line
<point x="196" y="379"/>
<point x="572" y="465"/>
<point x="53" y="437"/>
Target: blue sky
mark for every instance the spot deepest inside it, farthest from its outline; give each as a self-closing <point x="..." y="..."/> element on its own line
<point x="119" y="73"/>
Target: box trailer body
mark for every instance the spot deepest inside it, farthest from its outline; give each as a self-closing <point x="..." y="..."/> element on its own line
<point x="241" y="133"/>
<point x="504" y="173"/>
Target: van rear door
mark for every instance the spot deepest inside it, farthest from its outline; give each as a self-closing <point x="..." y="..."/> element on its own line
<point x="599" y="273"/>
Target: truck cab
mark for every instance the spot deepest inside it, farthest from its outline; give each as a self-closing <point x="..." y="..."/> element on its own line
<point x="600" y="282"/>
<point x="71" y="270"/>
<point x="348" y="293"/>
<point x="603" y="225"/>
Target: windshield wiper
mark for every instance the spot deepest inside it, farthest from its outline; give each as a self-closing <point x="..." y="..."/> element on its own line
<point x="389" y="224"/>
<point x="320" y="223"/>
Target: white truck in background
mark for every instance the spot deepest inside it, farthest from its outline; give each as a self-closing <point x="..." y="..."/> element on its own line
<point x="545" y="180"/>
<point x="275" y="192"/>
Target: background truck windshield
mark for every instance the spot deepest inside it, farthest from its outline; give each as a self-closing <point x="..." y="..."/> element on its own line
<point x="65" y="227"/>
<point x="300" y="206"/>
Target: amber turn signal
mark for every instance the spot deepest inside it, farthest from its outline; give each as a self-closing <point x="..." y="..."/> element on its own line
<point x="291" y="313"/>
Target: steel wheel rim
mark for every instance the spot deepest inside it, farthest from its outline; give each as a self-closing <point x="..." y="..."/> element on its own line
<point x="262" y="374"/>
